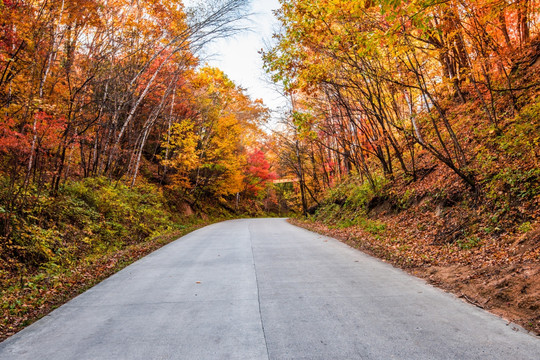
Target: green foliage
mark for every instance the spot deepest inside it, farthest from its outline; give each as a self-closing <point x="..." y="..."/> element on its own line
<point x="92" y="215"/>
<point x="349" y="219"/>
<point x="374" y="227"/>
<point x="356" y="194"/>
<point x="61" y="245"/>
<point x="304" y="124"/>
<point x="514" y="147"/>
<point x="469" y="243"/>
<point x="346" y="206"/>
<point x="522" y="138"/>
<point x="525" y="227"/>
<point x="514" y="184"/>
<point x="345" y="223"/>
<point x="405" y="200"/>
<point x="40" y="244"/>
<point x="128" y="214"/>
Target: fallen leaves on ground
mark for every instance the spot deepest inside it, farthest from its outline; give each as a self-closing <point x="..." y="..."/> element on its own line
<point x="500" y="275"/>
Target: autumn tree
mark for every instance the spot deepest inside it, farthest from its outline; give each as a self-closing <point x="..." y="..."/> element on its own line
<point x="375" y="79"/>
<point x="90" y="88"/>
<point x="207" y="153"/>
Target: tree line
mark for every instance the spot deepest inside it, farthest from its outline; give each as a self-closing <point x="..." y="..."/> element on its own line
<point x="114" y="89"/>
<point x="373" y="84"/>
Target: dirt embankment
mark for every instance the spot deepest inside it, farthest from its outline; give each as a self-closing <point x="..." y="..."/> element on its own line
<point x="500" y="274"/>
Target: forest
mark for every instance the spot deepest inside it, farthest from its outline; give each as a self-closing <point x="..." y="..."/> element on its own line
<point x="413" y="133"/>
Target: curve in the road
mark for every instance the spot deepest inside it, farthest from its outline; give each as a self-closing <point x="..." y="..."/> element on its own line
<point x="264" y="289"/>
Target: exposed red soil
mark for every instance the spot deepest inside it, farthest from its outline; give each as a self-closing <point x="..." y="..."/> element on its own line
<point x="500" y="275"/>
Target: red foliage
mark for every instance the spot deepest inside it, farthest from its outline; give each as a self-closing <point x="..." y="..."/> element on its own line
<point x="16" y="139"/>
<point x="12" y="141"/>
<point x="258" y="172"/>
<point x="49" y="128"/>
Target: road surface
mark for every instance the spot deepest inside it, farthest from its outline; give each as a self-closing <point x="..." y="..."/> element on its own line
<point x="264" y="289"/>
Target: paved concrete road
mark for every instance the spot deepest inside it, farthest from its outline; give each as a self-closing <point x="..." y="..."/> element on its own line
<point x="264" y="289"/>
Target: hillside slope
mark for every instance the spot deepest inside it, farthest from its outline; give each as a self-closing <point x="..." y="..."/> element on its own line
<point x="484" y="247"/>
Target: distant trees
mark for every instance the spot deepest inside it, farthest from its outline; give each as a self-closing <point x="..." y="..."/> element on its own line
<point x="208" y="151"/>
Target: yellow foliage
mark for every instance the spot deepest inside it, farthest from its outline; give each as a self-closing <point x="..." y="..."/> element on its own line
<point x="209" y="151"/>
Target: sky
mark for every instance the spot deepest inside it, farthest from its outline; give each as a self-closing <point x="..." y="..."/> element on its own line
<point x="238" y="56"/>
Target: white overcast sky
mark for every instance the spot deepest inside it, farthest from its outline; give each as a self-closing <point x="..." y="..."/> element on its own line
<point x="239" y="56"/>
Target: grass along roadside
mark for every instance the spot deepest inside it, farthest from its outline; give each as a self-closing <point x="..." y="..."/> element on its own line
<point x="54" y="247"/>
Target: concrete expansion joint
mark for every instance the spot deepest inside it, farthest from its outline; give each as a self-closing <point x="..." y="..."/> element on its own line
<point x="258" y="291"/>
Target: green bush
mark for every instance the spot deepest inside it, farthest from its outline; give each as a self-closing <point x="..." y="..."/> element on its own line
<point x="469" y="243"/>
<point x="93" y="215"/>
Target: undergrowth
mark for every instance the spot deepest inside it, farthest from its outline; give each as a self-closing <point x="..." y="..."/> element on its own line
<point x="59" y="246"/>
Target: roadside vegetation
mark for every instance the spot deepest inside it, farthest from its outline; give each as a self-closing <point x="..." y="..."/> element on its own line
<point x="64" y="244"/>
<point x="114" y="140"/>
